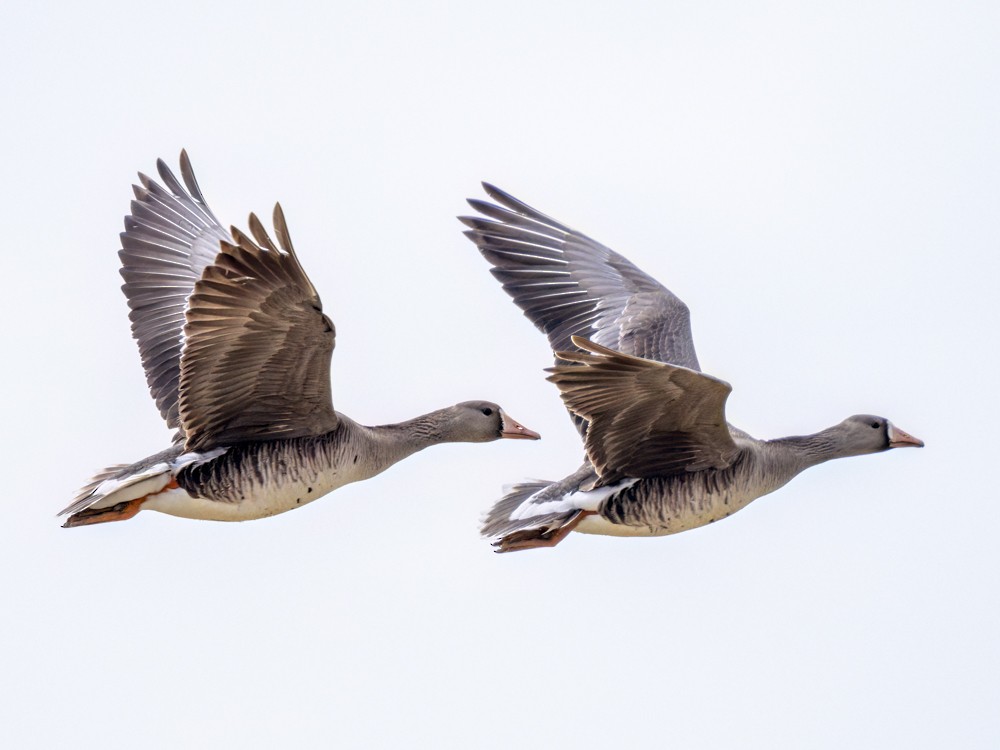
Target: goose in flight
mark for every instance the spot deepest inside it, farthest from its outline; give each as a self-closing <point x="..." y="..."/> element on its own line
<point x="660" y="456"/>
<point x="236" y="350"/>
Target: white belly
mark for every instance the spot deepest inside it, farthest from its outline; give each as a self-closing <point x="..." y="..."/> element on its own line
<point x="259" y="504"/>
<point x="691" y="513"/>
<point x="596" y="524"/>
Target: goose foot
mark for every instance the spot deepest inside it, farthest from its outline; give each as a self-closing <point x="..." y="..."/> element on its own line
<point x="120" y="512"/>
<point x="535" y="538"/>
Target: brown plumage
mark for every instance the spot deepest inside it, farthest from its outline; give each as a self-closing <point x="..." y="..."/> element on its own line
<point x="660" y="456"/>
<point x="257" y="346"/>
<point x="645" y="418"/>
<point x="237" y="353"/>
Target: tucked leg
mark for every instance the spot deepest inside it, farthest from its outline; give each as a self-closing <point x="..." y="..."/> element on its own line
<point x="120" y="512"/>
<point x="533" y="538"/>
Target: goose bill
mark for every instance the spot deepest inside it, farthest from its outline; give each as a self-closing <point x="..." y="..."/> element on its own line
<point x="900" y="439"/>
<point x="510" y="428"/>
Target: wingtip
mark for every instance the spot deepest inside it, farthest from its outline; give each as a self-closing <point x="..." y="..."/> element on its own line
<point x="185" y="162"/>
<point x="163" y="170"/>
<point x="477" y="223"/>
<point x="493" y="191"/>
<point x="191" y="182"/>
<point x="259" y="233"/>
<point x="509" y="201"/>
<point x="281" y="229"/>
<point x="483" y="207"/>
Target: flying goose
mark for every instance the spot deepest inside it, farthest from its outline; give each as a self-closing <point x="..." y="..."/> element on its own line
<point x="236" y="350"/>
<point x="660" y="456"/>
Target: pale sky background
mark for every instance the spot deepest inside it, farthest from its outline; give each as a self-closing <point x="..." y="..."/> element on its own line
<point x="819" y="182"/>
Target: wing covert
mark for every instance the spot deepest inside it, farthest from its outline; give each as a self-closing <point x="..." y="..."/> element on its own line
<point x="645" y="418"/>
<point x="256" y="362"/>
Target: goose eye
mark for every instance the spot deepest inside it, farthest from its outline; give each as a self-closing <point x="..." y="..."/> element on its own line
<point x="875" y="425"/>
<point x="488" y="411"/>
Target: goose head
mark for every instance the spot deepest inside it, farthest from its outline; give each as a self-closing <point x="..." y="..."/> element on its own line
<point x="483" y="421"/>
<point x="867" y="433"/>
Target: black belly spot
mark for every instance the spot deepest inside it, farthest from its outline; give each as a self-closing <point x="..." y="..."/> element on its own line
<point x="355" y="458"/>
<point x="310" y="489"/>
<point x="298" y="500"/>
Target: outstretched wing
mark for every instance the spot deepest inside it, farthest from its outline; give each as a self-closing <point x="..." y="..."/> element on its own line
<point x="170" y="237"/>
<point x="569" y="285"/>
<point x="256" y="359"/>
<point x="645" y="418"/>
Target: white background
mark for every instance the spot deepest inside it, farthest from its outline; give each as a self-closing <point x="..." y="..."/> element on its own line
<point x="819" y="182"/>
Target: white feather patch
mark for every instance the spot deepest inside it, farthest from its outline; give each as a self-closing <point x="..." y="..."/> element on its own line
<point x="196" y="458"/>
<point x="577" y="500"/>
<point x="592" y="499"/>
<point x="113" y="491"/>
<point x="529" y="508"/>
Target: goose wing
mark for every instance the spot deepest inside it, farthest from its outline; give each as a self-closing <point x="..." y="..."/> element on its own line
<point x="645" y="418"/>
<point x="570" y="285"/>
<point x="170" y="237"/>
<point x="256" y="358"/>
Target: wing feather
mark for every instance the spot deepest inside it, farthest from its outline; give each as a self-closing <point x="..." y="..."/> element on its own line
<point x="645" y="418"/>
<point x="170" y="237"/>
<point x="570" y="285"/>
<point x="256" y="364"/>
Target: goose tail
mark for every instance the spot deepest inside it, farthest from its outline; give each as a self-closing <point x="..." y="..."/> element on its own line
<point x="117" y="493"/>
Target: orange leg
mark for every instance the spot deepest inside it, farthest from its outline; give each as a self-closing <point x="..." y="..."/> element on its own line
<point x="120" y="512"/>
<point x="535" y="538"/>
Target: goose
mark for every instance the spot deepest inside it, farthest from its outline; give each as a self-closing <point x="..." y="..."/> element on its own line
<point x="660" y="456"/>
<point x="236" y="351"/>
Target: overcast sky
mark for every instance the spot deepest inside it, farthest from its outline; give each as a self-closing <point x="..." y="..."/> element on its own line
<point x="821" y="186"/>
